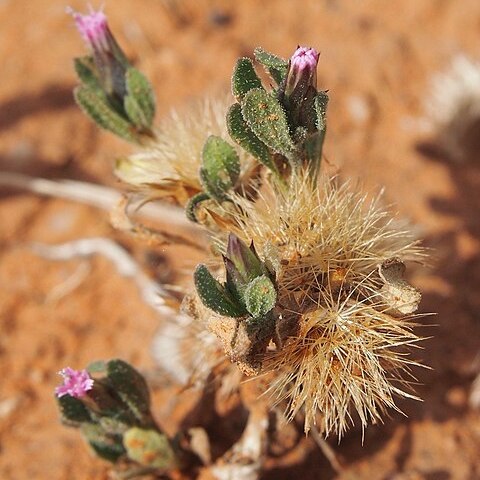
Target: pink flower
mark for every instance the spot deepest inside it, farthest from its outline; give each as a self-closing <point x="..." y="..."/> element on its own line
<point x="110" y="61"/>
<point x="302" y="71"/>
<point x="75" y="383"/>
<point x="93" y="28"/>
<point x="304" y="58"/>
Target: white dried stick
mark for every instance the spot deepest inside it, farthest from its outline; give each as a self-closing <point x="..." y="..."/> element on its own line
<point x="97" y="196"/>
<point x="152" y="292"/>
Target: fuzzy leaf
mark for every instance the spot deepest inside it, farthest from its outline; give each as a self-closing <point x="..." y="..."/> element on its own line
<point x="301" y="108"/>
<point x="113" y="426"/>
<point x="99" y="366"/>
<point x="108" y="447"/>
<point x="300" y="135"/>
<point x="313" y="149"/>
<point x="213" y="295"/>
<point x="244" y="78"/>
<point x="313" y="144"/>
<point x="260" y="296"/>
<point x="243" y="136"/>
<point x="149" y="448"/>
<point x="96" y="106"/>
<point x="321" y="103"/>
<point x="131" y="388"/>
<point x="108" y="451"/>
<point x="267" y="119"/>
<point x="140" y="100"/>
<point x="73" y="411"/>
<point x="270" y="59"/>
<point x="193" y="203"/>
<point x="276" y="66"/>
<point x="86" y="71"/>
<point x="220" y="168"/>
<point x="135" y="113"/>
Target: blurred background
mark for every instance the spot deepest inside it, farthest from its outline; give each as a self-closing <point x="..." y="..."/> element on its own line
<point x="379" y="61"/>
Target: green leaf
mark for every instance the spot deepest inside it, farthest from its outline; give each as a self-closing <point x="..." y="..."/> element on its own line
<point x="149" y="448"/>
<point x="131" y="387"/>
<point x="321" y="103"/>
<point x="73" y="411"/>
<point x="260" y="296"/>
<point x="135" y="113"/>
<point x="108" y="447"/>
<point x="95" y="104"/>
<point x="300" y="135"/>
<point x="270" y="59"/>
<point x="244" y="78"/>
<point x="86" y="72"/>
<point x="313" y="148"/>
<point x="301" y="108"/>
<point x="268" y="121"/>
<point x="193" y="203"/>
<point x="314" y="143"/>
<point x="113" y="426"/>
<point x="276" y="66"/>
<point x="241" y="133"/>
<point x="220" y="167"/>
<point x="99" y="366"/>
<point x="140" y="100"/>
<point x="213" y="295"/>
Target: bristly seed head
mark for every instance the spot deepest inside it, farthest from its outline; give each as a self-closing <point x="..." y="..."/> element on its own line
<point x="342" y="350"/>
<point x="169" y="166"/>
<point x="76" y="383"/>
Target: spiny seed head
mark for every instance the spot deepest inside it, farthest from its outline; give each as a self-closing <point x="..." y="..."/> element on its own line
<point x="318" y="229"/>
<point x="185" y="349"/>
<point x="453" y="108"/>
<point x="455" y="89"/>
<point x="339" y="349"/>
<point x="170" y="165"/>
<point x="346" y="360"/>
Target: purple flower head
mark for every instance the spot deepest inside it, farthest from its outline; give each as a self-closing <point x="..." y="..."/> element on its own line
<point x="110" y="61"/>
<point x="76" y="383"/>
<point x="93" y="28"/>
<point x="243" y="259"/>
<point x="304" y="58"/>
<point x="302" y="71"/>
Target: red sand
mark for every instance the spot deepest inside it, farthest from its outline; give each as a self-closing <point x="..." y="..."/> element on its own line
<point x="377" y="58"/>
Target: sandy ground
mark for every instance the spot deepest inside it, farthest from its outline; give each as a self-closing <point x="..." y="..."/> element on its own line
<point x="377" y="59"/>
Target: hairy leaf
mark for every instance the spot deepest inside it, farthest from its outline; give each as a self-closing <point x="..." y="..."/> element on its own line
<point x="244" y="78"/>
<point x="213" y="295"/>
<point x="267" y="119"/>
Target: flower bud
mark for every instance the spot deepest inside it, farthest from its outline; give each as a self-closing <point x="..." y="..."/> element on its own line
<point x="110" y="61"/>
<point x="243" y="259"/>
<point x="302" y="71"/>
